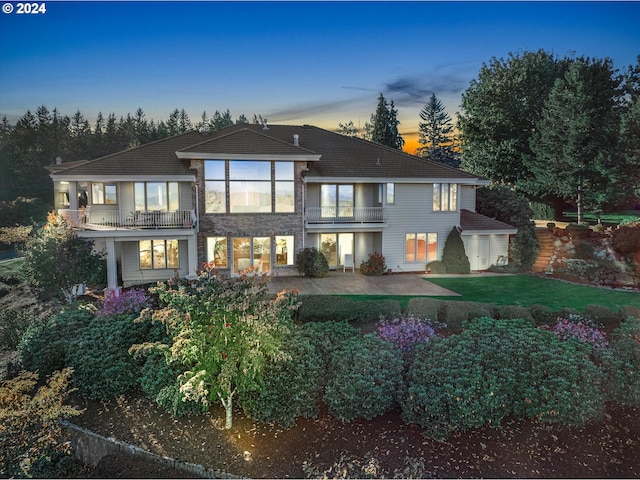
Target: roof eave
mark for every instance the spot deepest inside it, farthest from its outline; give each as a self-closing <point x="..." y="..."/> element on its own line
<point x="505" y="231"/>
<point x="247" y="156"/>
<point x="426" y="180"/>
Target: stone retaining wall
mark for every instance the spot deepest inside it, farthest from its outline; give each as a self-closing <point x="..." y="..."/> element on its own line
<point x="89" y="448"/>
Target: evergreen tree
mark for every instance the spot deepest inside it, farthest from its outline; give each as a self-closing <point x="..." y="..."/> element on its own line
<point x="576" y="142"/>
<point x="173" y="127"/>
<point x="221" y="120"/>
<point x="454" y="257"/>
<point x="436" y="134"/>
<point x="348" y="129"/>
<point x="242" y="119"/>
<point x="184" y="124"/>
<point x="499" y="113"/>
<point x="384" y="125"/>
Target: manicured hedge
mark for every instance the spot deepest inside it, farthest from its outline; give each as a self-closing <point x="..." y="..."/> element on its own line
<point x="494" y="369"/>
<point x="624" y="365"/>
<point x="365" y="378"/>
<point x="324" y="308"/>
<point x="44" y="346"/>
<point x="326" y="338"/>
<point x="291" y="386"/>
<point x="99" y="355"/>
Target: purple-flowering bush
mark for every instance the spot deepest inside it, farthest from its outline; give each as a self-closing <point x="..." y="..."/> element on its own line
<point x="129" y="301"/>
<point x="581" y="329"/>
<point x="404" y="333"/>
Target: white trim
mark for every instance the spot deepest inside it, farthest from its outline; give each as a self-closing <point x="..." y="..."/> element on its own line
<point x="134" y="235"/>
<point x="123" y="178"/>
<point x="249" y="156"/>
<point x="386" y="179"/>
<point x="508" y="231"/>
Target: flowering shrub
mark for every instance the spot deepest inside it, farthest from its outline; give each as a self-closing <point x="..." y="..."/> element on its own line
<point x="405" y="333"/>
<point x="129" y="301"/>
<point x="375" y="265"/>
<point x="581" y="329"/>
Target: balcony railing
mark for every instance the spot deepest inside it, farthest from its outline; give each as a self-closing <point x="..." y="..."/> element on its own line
<point x="345" y="215"/>
<point x="147" y="219"/>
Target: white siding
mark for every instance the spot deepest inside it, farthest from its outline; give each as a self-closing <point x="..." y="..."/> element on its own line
<point x="412" y="213"/>
<point x="484" y="250"/>
<point x="467" y="198"/>
<point x="127" y="204"/>
<point x="133" y="275"/>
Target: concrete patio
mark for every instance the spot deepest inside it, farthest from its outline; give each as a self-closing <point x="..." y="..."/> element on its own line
<point x="349" y="283"/>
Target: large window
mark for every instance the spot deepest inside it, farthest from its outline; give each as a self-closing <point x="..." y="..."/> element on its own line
<point x="158" y="254"/>
<point x="285" y="250"/>
<point x="253" y="186"/>
<point x="215" y="196"/>
<point x="421" y="247"/>
<point x="103" y="194"/>
<point x="248" y="251"/>
<point x="156" y="196"/>
<point x="249" y="187"/>
<point x="336" y="200"/>
<point x="445" y="197"/>
<point x="217" y="251"/>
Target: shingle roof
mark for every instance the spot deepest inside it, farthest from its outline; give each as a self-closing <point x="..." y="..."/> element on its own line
<point x="245" y="142"/>
<point x="155" y="158"/>
<point x="350" y="157"/>
<point x="472" y="221"/>
<point x="340" y="156"/>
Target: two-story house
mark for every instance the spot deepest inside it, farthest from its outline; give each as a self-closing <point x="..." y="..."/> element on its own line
<point x="258" y="194"/>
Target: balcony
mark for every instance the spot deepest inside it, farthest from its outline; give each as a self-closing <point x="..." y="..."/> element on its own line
<point x="148" y="219"/>
<point x="345" y="215"/>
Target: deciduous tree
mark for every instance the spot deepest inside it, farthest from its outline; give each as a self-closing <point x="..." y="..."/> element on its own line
<point x="224" y="332"/>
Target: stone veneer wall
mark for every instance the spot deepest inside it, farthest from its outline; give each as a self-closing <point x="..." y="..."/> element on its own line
<point x="251" y="224"/>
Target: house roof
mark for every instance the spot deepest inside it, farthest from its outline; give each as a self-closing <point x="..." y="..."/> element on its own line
<point x="475" y="222"/>
<point x="243" y="142"/>
<point x="349" y="157"/>
<point x="151" y="159"/>
<point x="341" y="157"/>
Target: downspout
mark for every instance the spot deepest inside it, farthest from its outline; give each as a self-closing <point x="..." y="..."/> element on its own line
<point x="304" y="194"/>
<point x="197" y="209"/>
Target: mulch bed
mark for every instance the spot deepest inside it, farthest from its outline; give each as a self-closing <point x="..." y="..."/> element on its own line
<point x="384" y="446"/>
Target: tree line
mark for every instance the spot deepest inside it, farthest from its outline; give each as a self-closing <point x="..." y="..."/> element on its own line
<point x="556" y="130"/>
<point x="39" y="137"/>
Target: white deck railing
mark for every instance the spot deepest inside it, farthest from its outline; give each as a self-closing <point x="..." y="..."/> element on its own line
<point x="345" y="215"/>
<point x="105" y="220"/>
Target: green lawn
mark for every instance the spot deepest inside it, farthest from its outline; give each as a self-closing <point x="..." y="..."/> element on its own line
<point x="605" y="218"/>
<point x="523" y="290"/>
<point x="526" y="290"/>
<point x="10" y="268"/>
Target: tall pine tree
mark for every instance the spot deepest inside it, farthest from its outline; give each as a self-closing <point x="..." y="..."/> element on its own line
<point x="383" y="127"/>
<point x="435" y="134"/>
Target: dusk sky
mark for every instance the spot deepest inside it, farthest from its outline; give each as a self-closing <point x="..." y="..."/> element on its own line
<point x="292" y="62"/>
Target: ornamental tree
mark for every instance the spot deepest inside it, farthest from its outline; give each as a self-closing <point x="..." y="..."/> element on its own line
<point x="224" y="332"/>
<point x="57" y="259"/>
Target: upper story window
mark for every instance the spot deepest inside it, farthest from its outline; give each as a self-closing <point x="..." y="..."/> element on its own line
<point x="104" y="194"/>
<point x="252" y="186"/>
<point x="391" y="193"/>
<point x="285" y="187"/>
<point x="215" y="187"/>
<point x="249" y="187"/>
<point x="336" y="200"/>
<point x="156" y="196"/>
<point x="445" y="197"/>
